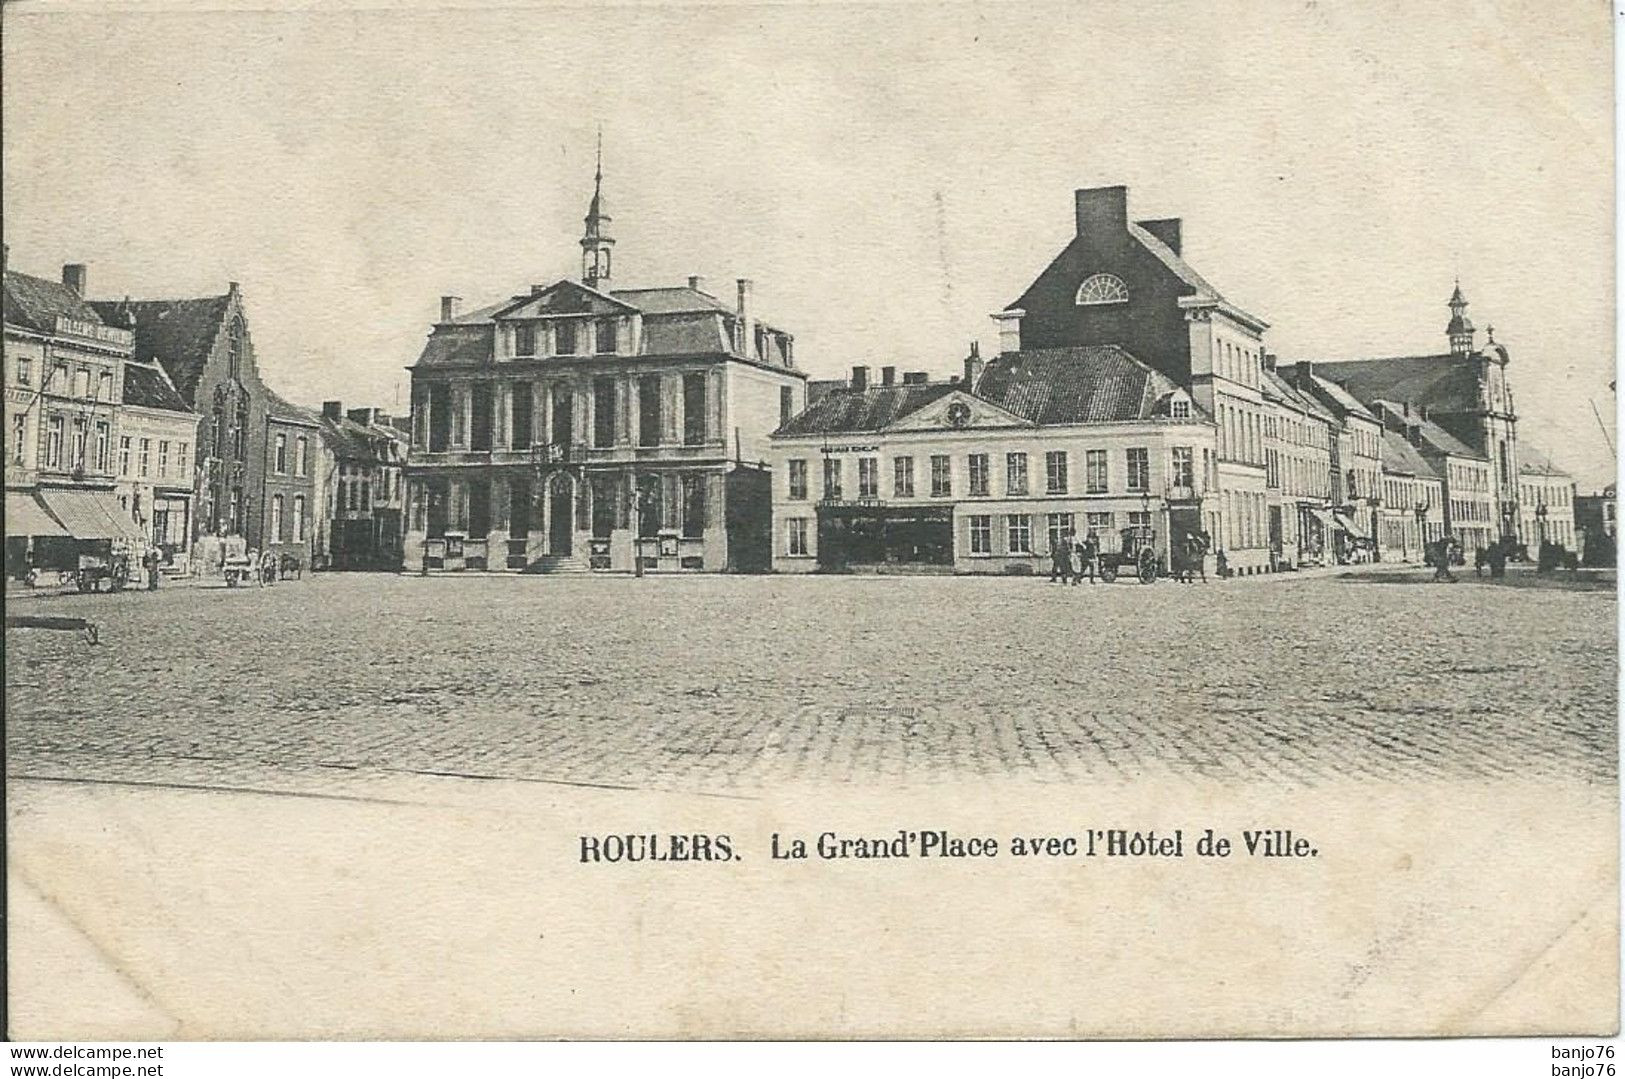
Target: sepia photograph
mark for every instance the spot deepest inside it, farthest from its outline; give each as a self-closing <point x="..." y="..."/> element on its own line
<point x="810" y="521"/>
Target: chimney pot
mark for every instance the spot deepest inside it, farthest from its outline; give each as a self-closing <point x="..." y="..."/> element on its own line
<point x="888" y="376"/>
<point x="74" y="275"/>
<point x="450" y="307"/>
<point x="860" y="378"/>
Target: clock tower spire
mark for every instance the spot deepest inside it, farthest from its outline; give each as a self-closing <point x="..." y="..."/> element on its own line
<point x="596" y="241"/>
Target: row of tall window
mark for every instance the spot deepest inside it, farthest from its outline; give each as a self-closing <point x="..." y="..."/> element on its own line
<point x="1013" y="533"/>
<point x="1056" y="479"/>
<point x="69" y="445"/>
<point x="301" y="455"/>
<point x="664" y="503"/>
<point x="1241" y="434"/>
<point x="567" y="337"/>
<point x="68" y="381"/>
<point x="1552" y="496"/>
<point x="1467" y="478"/>
<point x="1239" y="363"/>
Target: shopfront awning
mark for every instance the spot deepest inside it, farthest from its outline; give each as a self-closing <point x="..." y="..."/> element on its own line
<point x="90" y="515"/>
<point x="1323" y="516"/>
<point x="1346" y="523"/>
<point x="26" y="517"/>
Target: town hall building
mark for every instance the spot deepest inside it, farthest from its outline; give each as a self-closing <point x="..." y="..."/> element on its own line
<point x="579" y="427"/>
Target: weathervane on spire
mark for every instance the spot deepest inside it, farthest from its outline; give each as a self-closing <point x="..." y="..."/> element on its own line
<point x="596" y="242"/>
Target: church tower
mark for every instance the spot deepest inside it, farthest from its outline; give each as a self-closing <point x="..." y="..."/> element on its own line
<point x="596" y="243"/>
<point x="1460" y="330"/>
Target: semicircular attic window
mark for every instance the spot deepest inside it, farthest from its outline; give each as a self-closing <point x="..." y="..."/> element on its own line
<point x="1102" y="288"/>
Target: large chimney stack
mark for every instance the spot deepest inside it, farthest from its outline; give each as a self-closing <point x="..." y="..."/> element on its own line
<point x="888" y="376"/>
<point x="746" y="328"/>
<point x="860" y="378"/>
<point x="1166" y="229"/>
<point x="1009" y="323"/>
<point x="75" y="275"/>
<point x="1102" y="211"/>
<point x="450" y="307"/>
<point x="333" y="410"/>
<point x="696" y="282"/>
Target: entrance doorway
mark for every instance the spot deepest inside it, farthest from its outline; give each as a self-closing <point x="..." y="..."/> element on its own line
<point x="561" y="530"/>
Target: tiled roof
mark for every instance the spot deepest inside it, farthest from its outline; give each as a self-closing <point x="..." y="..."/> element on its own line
<point x="354" y="441"/>
<point x="1445" y="442"/>
<point x="1445" y="383"/>
<point x="177" y="333"/>
<point x="669" y="301"/>
<point x="35" y="302"/>
<point x="282" y="409"/>
<point x="873" y="409"/>
<point x="1088" y="384"/>
<point x="146" y="385"/>
<point x="1292" y="395"/>
<point x="1398" y="455"/>
<point x="1338" y="398"/>
<point x="1538" y="462"/>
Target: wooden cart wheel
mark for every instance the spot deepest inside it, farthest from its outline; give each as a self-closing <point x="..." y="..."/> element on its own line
<point x="1148" y="568"/>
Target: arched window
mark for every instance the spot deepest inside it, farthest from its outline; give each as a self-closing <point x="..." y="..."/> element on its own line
<point x="1102" y="288"/>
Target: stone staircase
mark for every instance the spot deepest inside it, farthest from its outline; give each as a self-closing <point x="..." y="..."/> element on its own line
<point x="561" y="565"/>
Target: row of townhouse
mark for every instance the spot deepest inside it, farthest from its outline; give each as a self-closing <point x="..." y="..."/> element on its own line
<point x="579" y="427"/>
<point x="1122" y="359"/>
<point x="147" y="424"/>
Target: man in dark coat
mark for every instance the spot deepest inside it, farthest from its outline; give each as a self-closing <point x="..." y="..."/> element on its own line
<point x="1060" y="558"/>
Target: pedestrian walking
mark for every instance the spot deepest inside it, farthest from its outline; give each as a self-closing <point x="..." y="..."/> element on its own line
<point x="1089" y="556"/>
<point x="1060" y="558"/>
<point x="1441" y="563"/>
<point x="149" y="562"/>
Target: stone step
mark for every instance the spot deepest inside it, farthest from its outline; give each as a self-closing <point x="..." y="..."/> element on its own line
<point x="561" y="565"/>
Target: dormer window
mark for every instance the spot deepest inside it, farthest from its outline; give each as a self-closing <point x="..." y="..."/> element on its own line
<point x="1179" y="408"/>
<point x="564" y="338"/>
<point x="1102" y="288"/>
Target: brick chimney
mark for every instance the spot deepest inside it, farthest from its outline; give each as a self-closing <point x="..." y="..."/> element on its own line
<point x="1269" y="361"/>
<point x="860" y="378"/>
<point x="1102" y="211"/>
<point x="1303" y="373"/>
<point x="366" y="417"/>
<point x="333" y="410"/>
<point x="74" y="275"/>
<point x="1009" y="323"/>
<point x="450" y="307"/>
<point x="973" y="366"/>
<point x="888" y="376"/>
<point x="1165" y="229"/>
<point x="696" y="282"/>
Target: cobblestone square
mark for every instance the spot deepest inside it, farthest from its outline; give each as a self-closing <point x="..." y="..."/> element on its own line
<point x="730" y="685"/>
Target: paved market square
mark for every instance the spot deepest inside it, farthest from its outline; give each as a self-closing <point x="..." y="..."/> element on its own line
<point x="731" y="685"/>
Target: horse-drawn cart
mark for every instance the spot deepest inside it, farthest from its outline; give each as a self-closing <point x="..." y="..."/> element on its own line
<point x="1137" y="555"/>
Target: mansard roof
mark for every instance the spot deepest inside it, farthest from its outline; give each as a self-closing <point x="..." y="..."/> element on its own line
<point x="36" y="302"/>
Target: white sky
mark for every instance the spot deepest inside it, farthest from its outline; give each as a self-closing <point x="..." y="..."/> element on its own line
<point x="887" y="175"/>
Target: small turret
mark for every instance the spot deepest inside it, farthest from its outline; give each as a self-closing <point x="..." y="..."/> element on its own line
<point x="1460" y="330"/>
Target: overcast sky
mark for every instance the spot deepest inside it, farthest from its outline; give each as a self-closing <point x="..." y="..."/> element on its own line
<point x="887" y="175"/>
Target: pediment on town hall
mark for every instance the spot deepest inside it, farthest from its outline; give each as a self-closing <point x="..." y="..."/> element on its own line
<point x="957" y="411"/>
<point x="564" y="298"/>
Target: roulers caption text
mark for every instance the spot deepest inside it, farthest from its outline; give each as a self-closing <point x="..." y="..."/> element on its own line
<point x="933" y="843"/>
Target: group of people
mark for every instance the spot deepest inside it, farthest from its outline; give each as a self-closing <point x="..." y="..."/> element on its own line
<point x="1071" y="558"/>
